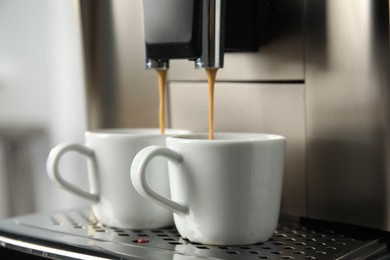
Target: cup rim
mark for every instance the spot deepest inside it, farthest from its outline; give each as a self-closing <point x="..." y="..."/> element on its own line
<point x="236" y="137"/>
<point x="136" y="131"/>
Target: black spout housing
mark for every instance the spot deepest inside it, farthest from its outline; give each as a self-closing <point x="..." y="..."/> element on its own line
<point x="172" y="29"/>
<point x="200" y="30"/>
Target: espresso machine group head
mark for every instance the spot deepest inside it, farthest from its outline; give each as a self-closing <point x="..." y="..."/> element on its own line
<point x="190" y="29"/>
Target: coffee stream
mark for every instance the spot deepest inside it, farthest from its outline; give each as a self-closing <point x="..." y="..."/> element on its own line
<point x="162" y="78"/>
<point x="211" y="74"/>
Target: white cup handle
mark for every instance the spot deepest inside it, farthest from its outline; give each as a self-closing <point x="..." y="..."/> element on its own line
<point x="52" y="167"/>
<point x="138" y="176"/>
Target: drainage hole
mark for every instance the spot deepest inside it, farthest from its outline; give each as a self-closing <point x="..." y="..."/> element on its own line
<point x="120" y="232"/>
<point x="310" y="239"/>
<point x="300" y="243"/>
<point x="277" y="252"/>
<point x="175" y="243"/>
<point x="254" y="252"/>
<point x="157" y="231"/>
<point x="290" y="239"/>
<point x="341" y="244"/>
<point x="289" y="247"/>
<point x="299" y="252"/>
<point x="287" y="257"/>
<point x="310" y="257"/>
<point x="266" y="247"/>
<point x="123" y="235"/>
<point x="142" y="235"/>
<point x="224" y="247"/>
<point x="202" y="247"/>
<point x="77" y="226"/>
<point x="279" y="243"/>
<point x="168" y="239"/>
<point x="264" y="257"/>
<point x="331" y="247"/>
<point x="232" y="252"/>
<point x="310" y="248"/>
<point x="320" y="252"/>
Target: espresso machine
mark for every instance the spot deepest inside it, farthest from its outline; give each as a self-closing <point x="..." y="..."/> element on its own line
<point x="313" y="71"/>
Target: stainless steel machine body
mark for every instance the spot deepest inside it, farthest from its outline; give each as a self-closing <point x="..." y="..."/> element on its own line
<point x="320" y="78"/>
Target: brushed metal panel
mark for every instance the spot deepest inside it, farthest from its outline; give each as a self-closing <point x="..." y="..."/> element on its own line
<point x="348" y="111"/>
<point x="251" y="107"/>
<point x="120" y="92"/>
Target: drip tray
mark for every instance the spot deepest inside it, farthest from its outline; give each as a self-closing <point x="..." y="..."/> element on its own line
<point x="75" y="234"/>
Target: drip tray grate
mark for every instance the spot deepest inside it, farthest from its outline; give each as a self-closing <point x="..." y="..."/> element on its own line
<point x="291" y="240"/>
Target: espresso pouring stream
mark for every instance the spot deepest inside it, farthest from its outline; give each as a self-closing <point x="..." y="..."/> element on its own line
<point x="162" y="76"/>
<point x="162" y="79"/>
<point x="211" y="74"/>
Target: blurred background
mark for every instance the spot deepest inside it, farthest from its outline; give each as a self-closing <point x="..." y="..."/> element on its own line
<point x="42" y="99"/>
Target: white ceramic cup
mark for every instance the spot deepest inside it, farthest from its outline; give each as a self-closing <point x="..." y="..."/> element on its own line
<point x="225" y="191"/>
<point x="109" y="154"/>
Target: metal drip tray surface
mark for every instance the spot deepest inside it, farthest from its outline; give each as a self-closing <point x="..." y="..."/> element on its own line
<point x="77" y="231"/>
